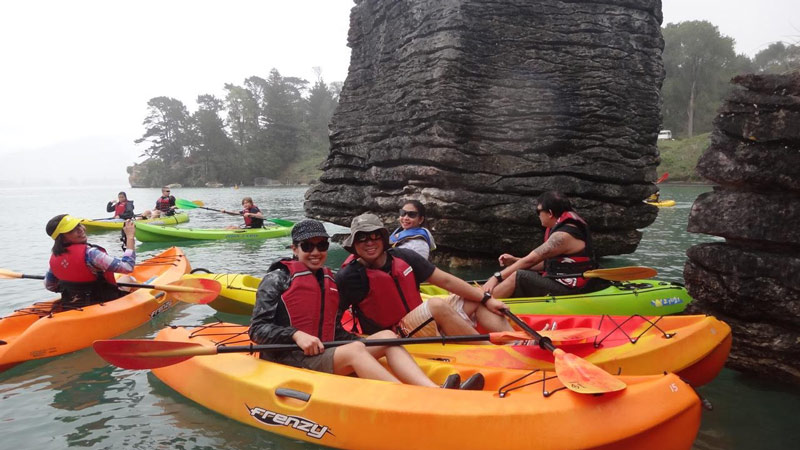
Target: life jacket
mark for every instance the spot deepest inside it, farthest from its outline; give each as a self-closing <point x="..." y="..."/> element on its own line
<point x="252" y="222"/>
<point x="390" y="297"/>
<point x="399" y="235"/>
<point x="164" y="203"/>
<point x="78" y="283"/>
<point x="311" y="309"/>
<point x="571" y="264"/>
<point x="119" y="210"/>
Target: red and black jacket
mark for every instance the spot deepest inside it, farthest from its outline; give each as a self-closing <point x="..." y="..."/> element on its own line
<point x="312" y="307"/>
<point x="77" y="282"/>
<point x="570" y="222"/>
<point x="164" y="204"/>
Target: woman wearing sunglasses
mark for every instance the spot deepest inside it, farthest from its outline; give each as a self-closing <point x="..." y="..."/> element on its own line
<point x="298" y="302"/>
<point x="411" y="234"/>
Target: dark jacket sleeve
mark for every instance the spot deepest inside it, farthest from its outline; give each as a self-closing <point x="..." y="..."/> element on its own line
<point x="269" y="323"/>
<point x="110" y="207"/>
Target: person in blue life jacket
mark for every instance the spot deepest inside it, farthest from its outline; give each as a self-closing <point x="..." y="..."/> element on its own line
<point x="122" y="207"/>
<point x="567" y="250"/>
<point x="84" y="273"/>
<point x="165" y="205"/>
<point x="411" y="234"/>
<point x="298" y="302"/>
<point x="253" y="217"/>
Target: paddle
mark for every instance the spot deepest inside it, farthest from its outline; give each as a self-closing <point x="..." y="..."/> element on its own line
<point x="186" y="204"/>
<point x="149" y="354"/>
<point x="662" y="178"/>
<point x="196" y="290"/>
<point x="575" y="373"/>
<point x="615" y="273"/>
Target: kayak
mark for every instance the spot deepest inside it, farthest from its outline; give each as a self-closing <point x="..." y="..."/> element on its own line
<point x="626" y="298"/>
<point x="662" y="204"/>
<point x="238" y="293"/>
<point x="156" y="233"/>
<point x="694" y="347"/>
<point x="37" y="332"/>
<point x="654" y="412"/>
<point x="116" y="224"/>
<point x="645" y="297"/>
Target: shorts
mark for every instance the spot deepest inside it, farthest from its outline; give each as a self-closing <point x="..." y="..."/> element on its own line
<point x="532" y="284"/>
<point x="296" y="358"/>
<point x="420" y="323"/>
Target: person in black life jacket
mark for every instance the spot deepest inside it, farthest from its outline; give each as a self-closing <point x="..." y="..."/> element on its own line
<point x="122" y="208"/>
<point x="253" y="218"/>
<point x="381" y="284"/>
<point x="165" y="205"/>
<point x="567" y="249"/>
<point x="84" y="273"/>
<point x="297" y="302"/>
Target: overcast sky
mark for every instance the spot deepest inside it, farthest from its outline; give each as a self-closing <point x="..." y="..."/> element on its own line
<point x="77" y="71"/>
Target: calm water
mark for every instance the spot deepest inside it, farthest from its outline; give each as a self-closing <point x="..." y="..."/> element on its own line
<point x="77" y="400"/>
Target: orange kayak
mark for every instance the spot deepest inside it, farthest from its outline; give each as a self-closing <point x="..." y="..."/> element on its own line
<point x="694" y="347"/>
<point x="37" y="332"/>
<point x="654" y="412"/>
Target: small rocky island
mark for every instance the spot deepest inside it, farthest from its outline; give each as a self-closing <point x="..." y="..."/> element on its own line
<point x="476" y="107"/>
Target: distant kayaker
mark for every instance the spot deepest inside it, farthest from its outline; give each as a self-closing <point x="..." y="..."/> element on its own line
<point x="411" y="234"/>
<point x="84" y="273"/>
<point x="567" y="250"/>
<point x="165" y="205"/>
<point x="298" y="302"/>
<point x="122" y="208"/>
<point x="253" y="218"/>
<point x="381" y="284"/>
<point x="655" y="198"/>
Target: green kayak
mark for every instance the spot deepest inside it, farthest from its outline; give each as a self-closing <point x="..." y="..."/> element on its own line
<point x="622" y="298"/>
<point x="116" y="224"/>
<point x="156" y="233"/>
<point x="643" y="297"/>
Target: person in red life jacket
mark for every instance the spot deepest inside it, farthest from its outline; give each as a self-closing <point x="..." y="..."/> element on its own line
<point x="567" y="250"/>
<point x="298" y="302"/>
<point x="84" y="273"/>
<point x="122" y="208"/>
<point x="381" y="284"/>
<point x="411" y="234"/>
<point x="253" y="218"/>
<point x="165" y="205"/>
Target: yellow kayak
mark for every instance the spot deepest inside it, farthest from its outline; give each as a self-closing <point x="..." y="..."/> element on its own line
<point x="662" y="203"/>
<point x="116" y="224"/>
<point x="238" y="293"/>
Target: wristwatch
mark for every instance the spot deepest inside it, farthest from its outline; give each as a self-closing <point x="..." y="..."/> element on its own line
<point x="499" y="277"/>
<point x="486" y="296"/>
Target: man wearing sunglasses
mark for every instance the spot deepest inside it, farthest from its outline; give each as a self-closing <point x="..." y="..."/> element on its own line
<point x="298" y="302"/>
<point x="567" y="249"/>
<point x="381" y="284"/>
<point x="165" y="205"/>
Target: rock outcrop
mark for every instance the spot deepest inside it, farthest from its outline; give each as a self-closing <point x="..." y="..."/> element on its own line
<point x="476" y="107"/>
<point x="752" y="280"/>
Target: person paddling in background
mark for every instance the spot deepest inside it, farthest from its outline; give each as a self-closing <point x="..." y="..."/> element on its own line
<point x="411" y="234"/>
<point x="84" y="273"/>
<point x="297" y="302"/>
<point x="567" y="250"/>
<point x="165" y="205"/>
<point x="381" y="284"/>
<point x="122" y="208"/>
<point x="253" y="218"/>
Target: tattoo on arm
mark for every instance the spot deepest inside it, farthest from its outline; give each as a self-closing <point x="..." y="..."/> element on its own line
<point x="553" y="246"/>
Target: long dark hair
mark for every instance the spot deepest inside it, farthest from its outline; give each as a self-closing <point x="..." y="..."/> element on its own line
<point x="419" y="206"/>
<point x="58" y="245"/>
<point x="122" y="193"/>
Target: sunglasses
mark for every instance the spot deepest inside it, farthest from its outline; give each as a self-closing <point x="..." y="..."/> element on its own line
<point x="410" y="214"/>
<point x="372" y="236"/>
<point x="166" y="191"/>
<point x="308" y="246"/>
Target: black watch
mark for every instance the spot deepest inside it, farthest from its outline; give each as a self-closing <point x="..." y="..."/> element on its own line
<point x="499" y="277"/>
<point x="486" y="296"/>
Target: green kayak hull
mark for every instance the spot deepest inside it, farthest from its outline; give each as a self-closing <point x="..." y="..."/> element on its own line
<point x="116" y="224"/>
<point x="156" y="233"/>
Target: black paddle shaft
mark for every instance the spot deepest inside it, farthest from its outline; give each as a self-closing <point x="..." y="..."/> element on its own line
<point x="367" y="342"/>
<point x="136" y="285"/>
<point x="544" y="342"/>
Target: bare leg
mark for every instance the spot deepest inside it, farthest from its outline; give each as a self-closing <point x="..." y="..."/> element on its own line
<point x="448" y="320"/>
<point x="401" y="363"/>
<point x="506" y="288"/>
<point x="355" y="358"/>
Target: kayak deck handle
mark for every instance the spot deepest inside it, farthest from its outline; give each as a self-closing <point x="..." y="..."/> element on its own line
<point x="292" y="393"/>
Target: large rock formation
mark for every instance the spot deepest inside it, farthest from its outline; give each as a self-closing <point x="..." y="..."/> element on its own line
<point x="476" y="107"/>
<point x="752" y="280"/>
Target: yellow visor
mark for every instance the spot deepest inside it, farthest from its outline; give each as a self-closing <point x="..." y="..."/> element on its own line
<point x="67" y="224"/>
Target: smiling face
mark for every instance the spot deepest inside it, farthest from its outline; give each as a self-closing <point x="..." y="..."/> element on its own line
<point x="406" y="220"/>
<point x="76" y="236"/>
<point x="309" y="253"/>
<point x="369" y="246"/>
<point x="247" y="204"/>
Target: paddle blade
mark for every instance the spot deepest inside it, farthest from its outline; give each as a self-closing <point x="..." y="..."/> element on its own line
<point x="185" y="204"/>
<point x="198" y="202"/>
<point x="7" y="274"/>
<point x="147" y="354"/>
<point x="662" y="178"/>
<point x="579" y="375"/>
<point x="508" y="337"/>
<point x="571" y="335"/>
<point x="622" y="273"/>
<point x="192" y="290"/>
<point x="281" y="222"/>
